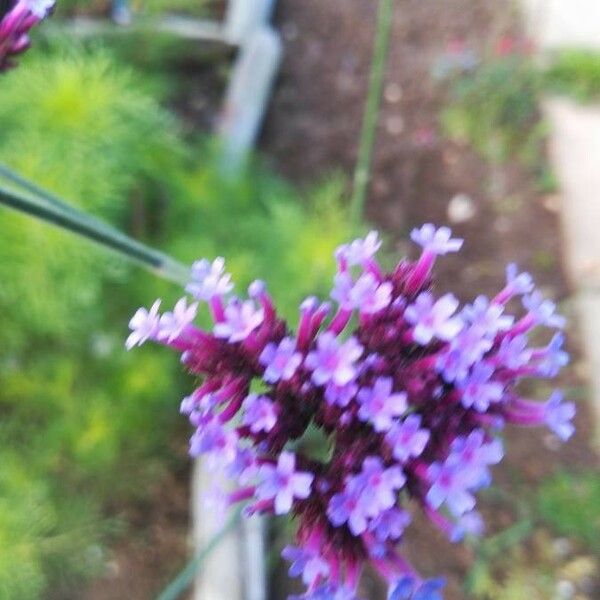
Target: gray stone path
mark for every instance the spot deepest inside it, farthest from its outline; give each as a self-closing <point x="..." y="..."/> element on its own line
<point x="575" y="153"/>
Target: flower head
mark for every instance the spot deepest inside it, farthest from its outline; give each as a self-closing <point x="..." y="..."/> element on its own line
<point x="410" y="392"/>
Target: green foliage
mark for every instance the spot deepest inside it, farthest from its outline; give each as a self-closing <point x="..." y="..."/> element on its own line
<point x="495" y="109"/>
<point x="84" y="127"/>
<point x="83" y="424"/>
<point x="571" y="504"/>
<point x="575" y="73"/>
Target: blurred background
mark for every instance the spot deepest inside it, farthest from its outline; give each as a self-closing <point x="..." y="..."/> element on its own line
<point x="121" y="121"/>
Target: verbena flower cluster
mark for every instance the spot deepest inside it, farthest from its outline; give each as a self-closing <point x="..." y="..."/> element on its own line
<point x="410" y="390"/>
<point x="15" y="26"/>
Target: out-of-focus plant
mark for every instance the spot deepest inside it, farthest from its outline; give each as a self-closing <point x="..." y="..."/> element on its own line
<point x="494" y="107"/>
<point x="85" y="127"/>
<point x="571" y="504"/>
<point x="575" y="73"/>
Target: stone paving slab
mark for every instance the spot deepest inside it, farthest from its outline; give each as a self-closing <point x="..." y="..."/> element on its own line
<point x="575" y="152"/>
<point x="563" y="23"/>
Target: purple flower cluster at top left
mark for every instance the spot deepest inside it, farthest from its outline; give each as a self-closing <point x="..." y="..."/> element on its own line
<point x="410" y="389"/>
<point x="15" y="26"/>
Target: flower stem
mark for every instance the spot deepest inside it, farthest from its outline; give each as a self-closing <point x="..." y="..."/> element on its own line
<point x="371" y="114"/>
<point x="66" y="217"/>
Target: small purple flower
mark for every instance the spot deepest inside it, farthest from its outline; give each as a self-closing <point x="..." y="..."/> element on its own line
<point x="543" y="310"/>
<point x="553" y="357"/>
<point x="407" y="439"/>
<point x="369" y="296"/>
<point x="360" y="251"/>
<point x="558" y="416"/>
<point x="513" y="352"/>
<point x="486" y="317"/>
<point x="144" y="326"/>
<point x="332" y="361"/>
<point x="473" y="455"/>
<point x="213" y="438"/>
<point x="209" y="279"/>
<point x="173" y="323"/>
<point x="39" y="8"/>
<point x="409" y="589"/>
<point x="241" y="319"/>
<point x="437" y="241"/>
<point x="340" y="395"/>
<point x="342" y="288"/>
<point x="282" y="483"/>
<point x="305" y="563"/>
<point x="244" y="467"/>
<point x="390" y="524"/>
<point x="517" y="283"/>
<point x="328" y="591"/>
<point x="281" y="361"/>
<point x="449" y="484"/>
<point x="379" y="405"/>
<point x="346" y="507"/>
<point x="434" y="319"/>
<point x="477" y="389"/>
<point x="470" y="523"/>
<point x="379" y="486"/>
<point x="260" y="414"/>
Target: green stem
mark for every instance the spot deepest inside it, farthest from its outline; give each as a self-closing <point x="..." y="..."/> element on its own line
<point x="371" y="114"/>
<point x="95" y="230"/>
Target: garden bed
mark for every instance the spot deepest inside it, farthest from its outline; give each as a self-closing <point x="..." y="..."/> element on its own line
<point x="312" y="129"/>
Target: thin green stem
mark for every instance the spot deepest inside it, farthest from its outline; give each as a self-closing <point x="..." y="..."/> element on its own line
<point x="99" y="232"/>
<point x="371" y="114"/>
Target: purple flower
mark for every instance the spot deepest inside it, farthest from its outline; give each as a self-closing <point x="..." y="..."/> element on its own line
<point x="468" y="347"/>
<point x="346" y="507"/>
<point x="144" y="326"/>
<point x="519" y="284"/>
<point x="260" y="414"/>
<point x="486" y="317"/>
<point x="213" y="438"/>
<point x="543" y="310"/>
<point x="407" y="439"/>
<point x="449" y="484"/>
<point x="328" y="591"/>
<point x="408" y="589"/>
<point x="241" y="319"/>
<point x="281" y="361"/>
<point x="379" y="486"/>
<point x="513" y="352"/>
<point x="379" y="405"/>
<point x="244" y="467"/>
<point x="473" y="455"/>
<point x="209" y="279"/>
<point x="173" y="323"/>
<point x="558" y="416"/>
<point x="332" y="361"/>
<point x="283" y="483"/>
<point x="477" y="389"/>
<point x="359" y="251"/>
<point x="390" y="524"/>
<point x="367" y="295"/>
<point x="340" y="395"/>
<point x="433" y="319"/>
<point x="437" y="241"/>
<point x="553" y="358"/>
<point x="470" y="523"/>
<point x="305" y="563"/>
